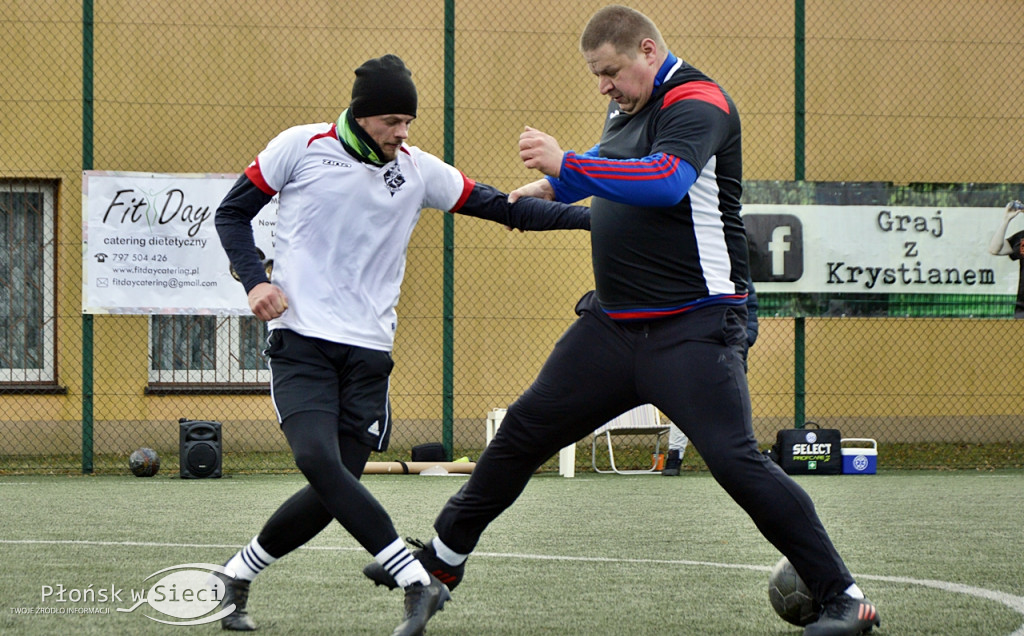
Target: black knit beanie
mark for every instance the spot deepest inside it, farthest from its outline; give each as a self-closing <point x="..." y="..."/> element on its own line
<point x="383" y="86"/>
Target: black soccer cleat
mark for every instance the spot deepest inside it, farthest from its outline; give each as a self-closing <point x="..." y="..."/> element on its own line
<point x="673" y="463"/>
<point x="236" y="591"/>
<point x="844" y="616"/>
<point x="422" y="602"/>
<point x="450" y="575"/>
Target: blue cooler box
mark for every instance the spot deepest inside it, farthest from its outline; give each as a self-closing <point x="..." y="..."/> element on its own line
<point x="861" y="457"/>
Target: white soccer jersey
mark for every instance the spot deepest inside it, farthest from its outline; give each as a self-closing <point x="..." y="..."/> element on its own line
<point x="343" y="229"/>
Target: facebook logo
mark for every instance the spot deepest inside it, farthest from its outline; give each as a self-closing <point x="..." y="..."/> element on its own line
<point x="776" y="247"/>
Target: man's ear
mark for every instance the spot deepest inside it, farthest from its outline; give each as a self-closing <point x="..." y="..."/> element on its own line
<point x="649" y="49"/>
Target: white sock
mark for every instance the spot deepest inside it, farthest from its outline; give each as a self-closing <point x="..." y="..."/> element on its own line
<point x="854" y="591"/>
<point x="446" y="554"/>
<point x="250" y="561"/>
<point x="401" y="564"/>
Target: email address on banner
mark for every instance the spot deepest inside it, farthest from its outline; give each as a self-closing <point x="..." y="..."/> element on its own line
<point x="170" y="283"/>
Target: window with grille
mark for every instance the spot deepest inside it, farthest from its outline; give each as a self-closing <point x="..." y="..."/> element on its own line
<point x="27" y="282"/>
<point x="207" y="350"/>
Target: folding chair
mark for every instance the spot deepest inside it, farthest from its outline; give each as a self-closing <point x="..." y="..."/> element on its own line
<point x="643" y="420"/>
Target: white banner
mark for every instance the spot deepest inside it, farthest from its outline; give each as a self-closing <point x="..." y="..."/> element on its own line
<point x="149" y="245"/>
<point x="876" y="250"/>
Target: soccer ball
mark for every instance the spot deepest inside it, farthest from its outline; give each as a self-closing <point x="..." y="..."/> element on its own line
<point x="144" y="462"/>
<point x="789" y="595"/>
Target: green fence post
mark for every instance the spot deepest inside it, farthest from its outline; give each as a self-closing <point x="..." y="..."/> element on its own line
<point x="798" y="372"/>
<point x="799" y="161"/>
<point x="799" y="77"/>
<point x="87" y="341"/>
<point x="87" y="393"/>
<point x="448" y="336"/>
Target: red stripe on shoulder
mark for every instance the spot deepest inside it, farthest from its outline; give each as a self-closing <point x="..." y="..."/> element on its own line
<point x="256" y="176"/>
<point x="330" y="133"/>
<point x="467" y="187"/>
<point x="704" y="91"/>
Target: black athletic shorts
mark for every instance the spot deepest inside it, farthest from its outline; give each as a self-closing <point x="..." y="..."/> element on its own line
<point x="310" y="374"/>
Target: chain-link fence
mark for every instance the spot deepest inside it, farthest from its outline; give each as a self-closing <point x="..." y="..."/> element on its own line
<point x="862" y="95"/>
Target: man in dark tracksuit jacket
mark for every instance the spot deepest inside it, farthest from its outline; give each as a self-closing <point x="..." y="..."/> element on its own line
<point x="667" y="322"/>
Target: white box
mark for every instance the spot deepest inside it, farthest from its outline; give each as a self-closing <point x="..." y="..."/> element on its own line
<point x="859" y="460"/>
<point x="566" y="456"/>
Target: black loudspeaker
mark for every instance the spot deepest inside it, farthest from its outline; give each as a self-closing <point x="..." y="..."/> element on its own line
<point x="199" y="449"/>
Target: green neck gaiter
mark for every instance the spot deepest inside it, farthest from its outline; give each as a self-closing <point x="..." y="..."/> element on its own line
<point x="357" y="142"/>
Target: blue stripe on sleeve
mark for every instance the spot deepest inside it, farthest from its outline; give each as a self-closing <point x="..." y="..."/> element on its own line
<point x="566" y="194"/>
<point x="659" y="180"/>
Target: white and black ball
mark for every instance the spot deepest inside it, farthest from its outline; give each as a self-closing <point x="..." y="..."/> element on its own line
<point x="789" y="595"/>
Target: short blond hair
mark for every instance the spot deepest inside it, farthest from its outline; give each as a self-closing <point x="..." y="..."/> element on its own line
<point x="620" y="26"/>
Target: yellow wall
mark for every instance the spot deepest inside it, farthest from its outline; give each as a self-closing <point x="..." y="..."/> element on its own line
<point x="917" y="91"/>
<point x="914" y="91"/>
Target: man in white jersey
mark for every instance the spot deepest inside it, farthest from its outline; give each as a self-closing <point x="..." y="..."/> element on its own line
<point x="350" y="194"/>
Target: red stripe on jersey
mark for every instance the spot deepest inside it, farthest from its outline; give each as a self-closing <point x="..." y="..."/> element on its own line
<point x="704" y="91"/>
<point x="467" y="187"/>
<point x="256" y="176"/>
<point x="330" y="133"/>
<point x="659" y="168"/>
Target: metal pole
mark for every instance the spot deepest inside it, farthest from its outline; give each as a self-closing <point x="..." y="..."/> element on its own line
<point x="87" y="337"/>
<point x="448" y="336"/>
<point x="799" y="390"/>
<point x="799" y="78"/>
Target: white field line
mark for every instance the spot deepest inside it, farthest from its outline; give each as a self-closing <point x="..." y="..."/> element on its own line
<point x="1015" y="603"/>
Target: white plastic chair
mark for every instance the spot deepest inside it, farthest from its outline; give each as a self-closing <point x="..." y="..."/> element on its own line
<point x="643" y="420"/>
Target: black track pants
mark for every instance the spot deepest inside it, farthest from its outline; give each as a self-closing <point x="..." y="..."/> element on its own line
<point x="333" y="466"/>
<point x="691" y="367"/>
